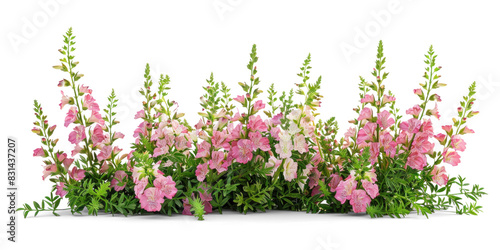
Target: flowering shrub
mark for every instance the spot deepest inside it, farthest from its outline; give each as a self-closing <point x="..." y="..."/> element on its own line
<point x="246" y="154"/>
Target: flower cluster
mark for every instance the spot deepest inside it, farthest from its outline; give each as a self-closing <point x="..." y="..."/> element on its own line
<point x="248" y="155"/>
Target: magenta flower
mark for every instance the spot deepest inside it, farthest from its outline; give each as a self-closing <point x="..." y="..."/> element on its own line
<point x="458" y="143"/>
<point x="345" y="188"/>
<point x="118" y="182"/>
<point x="77" y="135"/>
<point x="368" y="98"/>
<point x="366" y="113"/>
<point x="411" y="126"/>
<point x="39" y="152"/>
<point x="359" y="201"/>
<point x="451" y="157"/>
<point x="70" y="116"/>
<point x="60" y="189"/>
<point x="290" y="169"/>
<point x="151" y="199"/>
<point x="242" y="150"/>
<point x="97" y="135"/>
<point x="256" y="124"/>
<point x="166" y="185"/>
<point x="371" y="188"/>
<point x="439" y="175"/>
<point x="258" y="105"/>
<point x="384" y="119"/>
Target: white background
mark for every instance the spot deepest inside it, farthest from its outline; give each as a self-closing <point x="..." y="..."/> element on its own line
<point x="188" y="40"/>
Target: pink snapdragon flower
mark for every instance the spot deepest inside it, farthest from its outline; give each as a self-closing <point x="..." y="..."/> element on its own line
<point x="140" y="185"/>
<point x="440" y="137"/>
<point x="300" y="143"/>
<point x="76" y="150"/>
<point x="166" y="185"/>
<point x="119" y="178"/>
<point x="435" y="112"/>
<point x="216" y="161"/>
<point x="201" y="171"/>
<point x="259" y="141"/>
<point x="258" y="105"/>
<point x="284" y="147"/>
<point x="151" y="199"/>
<point x="366" y="113"/>
<point x="439" y="175"/>
<point x="416" y="160"/>
<point x="276" y="120"/>
<point x="77" y="174"/>
<point x="388" y="144"/>
<point x="274" y="163"/>
<point x="203" y="150"/>
<point x="415" y="111"/>
<point x="140" y="114"/>
<point x="359" y="201"/>
<point x="384" y="119"/>
<point x="218" y="139"/>
<point x="105" y="153"/>
<point x="374" y="151"/>
<point x="97" y="135"/>
<point x="368" y="98"/>
<point x="345" y="188"/>
<point x="96" y="117"/>
<point x="77" y="135"/>
<point x="411" y="126"/>
<point x="60" y="189"/>
<point x="242" y="150"/>
<point x="366" y="133"/>
<point x="290" y="169"/>
<point x="467" y="130"/>
<point x="70" y="116"/>
<point x="387" y="99"/>
<point x="451" y="157"/>
<point x="48" y="170"/>
<point x="39" y="152"/>
<point x="458" y="143"/>
<point x="256" y="124"/>
<point x="240" y="99"/>
<point x="334" y="182"/>
<point x="371" y="188"/>
<point x="64" y="100"/>
<point x="90" y="103"/>
<point x="84" y="90"/>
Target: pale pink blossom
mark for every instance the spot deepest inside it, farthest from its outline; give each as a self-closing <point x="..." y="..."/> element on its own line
<point x="334" y="182"/>
<point x="77" y="135"/>
<point x="415" y="111"/>
<point x="151" y="199"/>
<point x="345" y="188"/>
<point x="418" y="92"/>
<point x="201" y="171"/>
<point x="359" y="201"/>
<point x="451" y="157"/>
<point x="276" y="120"/>
<point x="118" y="182"/>
<point x="105" y="153"/>
<point x="39" y="152"/>
<point x="458" y="143"/>
<point x="242" y="150"/>
<point x="140" y="186"/>
<point x="84" y="90"/>
<point x="76" y="150"/>
<point x="440" y="137"/>
<point x="97" y="135"/>
<point x="366" y="113"/>
<point x="384" y="119"/>
<point x="290" y="169"/>
<point x="259" y="142"/>
<point x="439" y="175"/>
<point x="275" y="132"/>
<point x="256" y="124"/>
<point x="48" y="170"/>
<point x="216" y="161"/>
<point x="218" y="139"/>
<point x="274" y="164"/>
<point x="300" y="143"/>
<point x="203" y="150"/>
<point x="374" y="151"/>
<point x="70" y="116"/>
<point x="421" y="143"/>
<point x="447" y="128"/>
<point x="96" y="117"/>
<point x="435" y="111"/>
<point x="64" y="100"/>
<point x="166" y="185"/>
<point x="370" y="188"/>
<point x="411" y="126"/>
<point x="90" y="103"/>
<point x="387" y="143"/>
<point x="387" y="99"/>
<point x="368" y="98"/>
<point x="466" y="130"/>
<point x="240" y="99"/>
<point x="77" y="174"/>
<point x="284" y="148"/>
<point x="417" y="160"/>
<point x="366" y="133"/>
<point x="60" y="189"/>
<point x="258" y="105"/>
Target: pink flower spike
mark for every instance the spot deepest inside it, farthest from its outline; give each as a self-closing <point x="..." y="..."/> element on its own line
<point x="151" y="199"/>
<point x="359" y="201"/>
<point x="439" y="175"/>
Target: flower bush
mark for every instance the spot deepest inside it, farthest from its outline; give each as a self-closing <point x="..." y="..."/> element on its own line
<point x="249" y="154"/>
